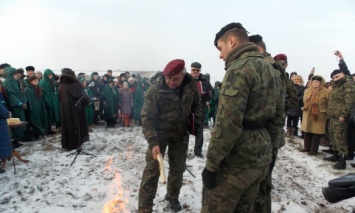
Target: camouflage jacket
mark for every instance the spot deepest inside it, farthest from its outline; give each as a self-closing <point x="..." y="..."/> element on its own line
<point x="165" y="114"/>
<point x="250" y="93"/>
<point x="287" y="98"/>
<point x="341" y="98"/>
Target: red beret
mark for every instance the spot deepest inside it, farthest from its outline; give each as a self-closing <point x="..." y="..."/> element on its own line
<point x="279" y="57"/>
<point x="174" y="67"/>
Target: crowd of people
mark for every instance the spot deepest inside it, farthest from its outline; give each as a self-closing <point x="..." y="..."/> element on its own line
<point x="248" y="109"/>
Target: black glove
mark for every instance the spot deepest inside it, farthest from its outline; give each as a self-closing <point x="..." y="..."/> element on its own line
<point x="208" y="178"/>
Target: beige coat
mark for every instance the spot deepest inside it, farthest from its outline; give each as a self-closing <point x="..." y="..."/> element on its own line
<point x="309" y="125"/>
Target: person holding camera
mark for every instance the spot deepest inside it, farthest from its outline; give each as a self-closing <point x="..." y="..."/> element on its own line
<point x="206" y="93"/>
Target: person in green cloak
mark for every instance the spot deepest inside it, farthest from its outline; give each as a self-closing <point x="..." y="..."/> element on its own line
<point x="139" y="100"/>
<point x="110" y="99"/>
<point x="16" y="101"/>
<point x="37" y="110"/>
<point x="89" y="109"/>
<point x="214" y="101"/>
<point x="51" y="100"/>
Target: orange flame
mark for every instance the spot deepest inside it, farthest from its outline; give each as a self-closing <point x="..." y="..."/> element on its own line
<point x="118" y="203"/>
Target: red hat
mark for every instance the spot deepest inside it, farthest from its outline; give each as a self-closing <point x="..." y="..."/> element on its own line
<point x="280" y="57"/>
<point x="174" y="67"/>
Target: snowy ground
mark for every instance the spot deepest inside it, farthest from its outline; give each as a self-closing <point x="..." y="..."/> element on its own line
<point x="110" y="181"/>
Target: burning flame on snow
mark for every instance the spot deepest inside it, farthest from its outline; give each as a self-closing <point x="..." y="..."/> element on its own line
<point x="118" y="203"/>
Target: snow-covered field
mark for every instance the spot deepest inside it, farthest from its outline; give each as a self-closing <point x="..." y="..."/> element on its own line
<point x="110" y="181"/>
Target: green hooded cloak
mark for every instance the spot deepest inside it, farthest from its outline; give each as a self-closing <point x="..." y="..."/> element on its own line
<point x="15" y="99"/>
<point x="50" y="96"/>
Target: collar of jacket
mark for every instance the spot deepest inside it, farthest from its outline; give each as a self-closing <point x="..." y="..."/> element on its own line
<point x="238" y="52"/>
<point x="201" y="77"/>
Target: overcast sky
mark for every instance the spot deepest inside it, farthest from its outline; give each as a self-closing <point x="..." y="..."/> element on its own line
<point x="145" y="35"/>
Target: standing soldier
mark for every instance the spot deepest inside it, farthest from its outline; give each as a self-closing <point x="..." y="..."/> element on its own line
<point x="341" y="99"/>
<point x="240" y="148"/>
<point x="165" y="115"/>
<point x="291" y="93"/>
<point x="263" y="200"/>
<point x="206" y="93"/>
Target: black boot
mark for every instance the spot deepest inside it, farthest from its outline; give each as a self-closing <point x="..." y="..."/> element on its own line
<point x="333" y="158"/>
<point x="330" y="150"/>
<point x="341" y="165"/>
<point x="175" y="204"/>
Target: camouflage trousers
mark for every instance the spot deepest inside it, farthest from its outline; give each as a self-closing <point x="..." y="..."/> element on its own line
<point x="177" y="154"/>
<point x="263" y="200"/>
<point x="236" y="190"/>
<point x="338" y="135"/>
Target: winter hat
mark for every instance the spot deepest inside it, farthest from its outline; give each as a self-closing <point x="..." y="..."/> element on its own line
<point x="225" y="29"/>
<point x="130" y="79"/>
<point x="174" y="67"/>
<point x="196" y="65"/>
<point x="317" y="78"/>
<point x="30" y="68"/>
<point x="125" y="83"/>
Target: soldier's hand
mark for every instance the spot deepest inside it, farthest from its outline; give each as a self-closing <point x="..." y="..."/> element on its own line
<point x="208" y="178"/>
<point x="341" y="120"/>
<point x="338" y="53"/>
<point x="155" y="152"/>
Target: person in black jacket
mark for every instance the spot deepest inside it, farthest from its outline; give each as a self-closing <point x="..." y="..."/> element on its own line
<point x="206" y="93"/>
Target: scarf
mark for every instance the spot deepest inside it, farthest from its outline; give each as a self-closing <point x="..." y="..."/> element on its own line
<point x="38" y="92"/>
<point x="312" y="101"/>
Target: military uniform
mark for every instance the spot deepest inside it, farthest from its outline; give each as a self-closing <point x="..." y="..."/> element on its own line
<point x="263" y="199"/>
<point x="164" y="117"/>
<point x="240" y="148"/>
<point x="341" y="98"/>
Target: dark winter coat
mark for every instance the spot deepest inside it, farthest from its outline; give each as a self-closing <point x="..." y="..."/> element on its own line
<point x="37" y="110"/>
<point x="74" y="125"/>
<point x="139" y="98"/>
<point x="50" y="97"/>
<point x="96" y="89"/>
<point x="15" y="99"/>
<point x="5" y="146"/>
<point x="126" y="98"/>
<point x="297" y="111"/>
<point x="110" y="98"/>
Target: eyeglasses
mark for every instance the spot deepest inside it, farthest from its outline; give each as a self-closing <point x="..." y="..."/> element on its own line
<point x="195" y="70"/>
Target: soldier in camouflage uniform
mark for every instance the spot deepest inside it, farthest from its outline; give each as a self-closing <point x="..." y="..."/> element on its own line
<point x="263" y="199"/>
<point x="240" y="148"/>
<point x="341" y="98"/>
<point x="165" y="116"/>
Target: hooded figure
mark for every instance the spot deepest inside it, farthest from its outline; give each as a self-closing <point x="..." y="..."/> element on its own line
<point x="110" y="99"/>
<point x="50" y="96"/>
<point x="139" y="100"/>
<point x="15" y="99"/>
<point x="89" y="110"/>
<point x="72" y="111"/>
<point x="37" y="110"/>
<point x="5" y="147"/>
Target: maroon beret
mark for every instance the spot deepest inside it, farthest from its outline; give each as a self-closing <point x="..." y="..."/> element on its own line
<point x="174" y="67"/>
<point x="279" y="57"/>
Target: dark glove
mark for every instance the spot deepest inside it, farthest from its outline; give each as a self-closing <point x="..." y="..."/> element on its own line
<point x="208" y="178"/>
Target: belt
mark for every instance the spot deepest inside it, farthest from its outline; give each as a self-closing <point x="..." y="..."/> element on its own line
<point x="253" y="126"/>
